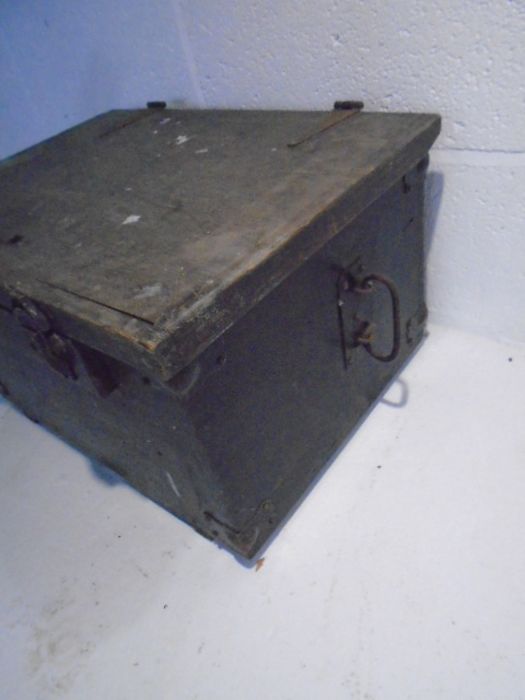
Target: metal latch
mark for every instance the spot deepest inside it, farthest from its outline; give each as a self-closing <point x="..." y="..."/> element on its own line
<point x="54" y="348"/>
<point x="61" y="353"/>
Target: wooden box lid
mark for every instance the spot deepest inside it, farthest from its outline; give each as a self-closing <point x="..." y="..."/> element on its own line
<point x="148" y="233"/>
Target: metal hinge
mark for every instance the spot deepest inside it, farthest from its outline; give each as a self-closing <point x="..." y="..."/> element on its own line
<point x="342" y="110"/>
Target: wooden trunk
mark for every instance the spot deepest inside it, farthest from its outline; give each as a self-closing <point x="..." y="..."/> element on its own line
<point x="206" y="309"/>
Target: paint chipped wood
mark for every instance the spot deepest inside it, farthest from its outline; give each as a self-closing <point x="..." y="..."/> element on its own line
<point x="149" y="233"/>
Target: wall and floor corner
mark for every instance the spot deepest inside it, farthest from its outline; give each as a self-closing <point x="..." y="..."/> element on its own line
<point x="461" y="58"/>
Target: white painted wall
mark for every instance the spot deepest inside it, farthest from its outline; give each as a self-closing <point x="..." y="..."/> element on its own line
<point x="462" y="58"/>
<point x="64" y="62"/>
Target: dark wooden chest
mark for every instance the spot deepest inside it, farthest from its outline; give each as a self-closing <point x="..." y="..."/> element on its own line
<point x="209" y="301"/>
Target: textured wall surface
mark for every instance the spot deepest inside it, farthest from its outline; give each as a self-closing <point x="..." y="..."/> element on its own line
<point x="476" y="263"/>
<point x="63" y="62"/>
<point x="463" y="58"/>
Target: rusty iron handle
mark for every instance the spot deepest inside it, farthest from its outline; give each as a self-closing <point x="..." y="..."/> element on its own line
<point x="367" y="285"/>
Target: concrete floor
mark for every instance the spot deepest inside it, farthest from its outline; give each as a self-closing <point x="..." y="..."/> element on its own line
<point x="401" y="576"/>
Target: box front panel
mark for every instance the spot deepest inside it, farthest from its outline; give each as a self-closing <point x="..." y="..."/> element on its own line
<point x="111" y="412"/>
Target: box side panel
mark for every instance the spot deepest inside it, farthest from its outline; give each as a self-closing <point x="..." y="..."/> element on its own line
<point x="274" y="400"/>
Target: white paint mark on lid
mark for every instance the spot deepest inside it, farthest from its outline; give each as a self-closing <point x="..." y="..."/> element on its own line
<point x="128" y="189"/>
<point x="148" y="290"/>
<point x="172" y="484"/>
<point x="202" y="150"/>
<point x="181" y="139"/>
<point x="131" y="219"/>
<point x="164" y="121"/>
<point x="155" y="131"/>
